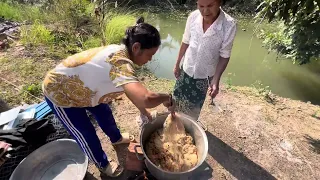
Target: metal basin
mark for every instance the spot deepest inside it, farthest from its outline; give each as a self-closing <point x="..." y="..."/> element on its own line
<point x="59" y="160"/>
<point x="192" y="127"/>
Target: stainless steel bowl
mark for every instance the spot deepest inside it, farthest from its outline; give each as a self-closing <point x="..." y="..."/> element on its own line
<point x="192" y="127"/>
<point x="59" y="160"/>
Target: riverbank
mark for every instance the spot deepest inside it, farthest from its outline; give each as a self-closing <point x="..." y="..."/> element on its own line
<point x="256" y="135"/>
<point x="48" y="40"/>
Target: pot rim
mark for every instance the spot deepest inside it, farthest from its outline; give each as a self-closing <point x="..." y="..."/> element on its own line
<point x="190" y="170"/>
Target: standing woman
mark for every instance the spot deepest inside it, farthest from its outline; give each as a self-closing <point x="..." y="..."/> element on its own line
<point x="87" y="81"/>
<point x="206" y="47"/>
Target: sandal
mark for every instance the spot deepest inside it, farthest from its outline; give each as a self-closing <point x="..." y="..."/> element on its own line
<point x="125" y="139"/>
<point x="112" y="170"/>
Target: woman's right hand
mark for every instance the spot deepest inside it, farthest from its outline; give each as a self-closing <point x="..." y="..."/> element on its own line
<point x="177" y="71"/>
<point x="170" y="104"/>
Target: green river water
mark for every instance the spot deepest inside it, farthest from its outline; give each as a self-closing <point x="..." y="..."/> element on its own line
<point x="250" y="62"/>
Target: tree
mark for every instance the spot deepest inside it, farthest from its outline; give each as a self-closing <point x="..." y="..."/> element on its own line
<point x="301" y="31"/>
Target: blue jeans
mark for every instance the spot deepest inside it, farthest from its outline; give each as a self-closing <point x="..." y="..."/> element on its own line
<point x="77" y="122"/>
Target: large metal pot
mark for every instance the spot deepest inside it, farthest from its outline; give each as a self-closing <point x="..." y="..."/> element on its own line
<point x="192" y="127"/>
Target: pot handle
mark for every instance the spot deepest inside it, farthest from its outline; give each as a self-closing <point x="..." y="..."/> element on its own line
<point x="137" y="154"/>
<point x="204" y="127"/>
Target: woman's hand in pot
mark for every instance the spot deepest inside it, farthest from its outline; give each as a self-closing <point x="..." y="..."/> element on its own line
<point x="147" y="114"/>
<point x="170" y="104"/>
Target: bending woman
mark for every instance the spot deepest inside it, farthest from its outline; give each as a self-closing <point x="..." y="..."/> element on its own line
<point x="91" y="79"/>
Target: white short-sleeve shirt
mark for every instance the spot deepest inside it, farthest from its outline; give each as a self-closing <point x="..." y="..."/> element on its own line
<point x="205" y="49"/>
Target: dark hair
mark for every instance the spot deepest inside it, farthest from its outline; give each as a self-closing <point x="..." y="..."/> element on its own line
<point x="143" y="33"/>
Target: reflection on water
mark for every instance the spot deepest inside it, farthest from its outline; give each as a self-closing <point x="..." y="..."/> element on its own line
<point x="248" y="64"/>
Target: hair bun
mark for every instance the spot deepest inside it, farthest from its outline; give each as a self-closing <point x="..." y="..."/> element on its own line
<point x="140" y="20"/>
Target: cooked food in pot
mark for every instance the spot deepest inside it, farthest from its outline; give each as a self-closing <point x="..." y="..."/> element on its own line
<point x="171" y="148"/>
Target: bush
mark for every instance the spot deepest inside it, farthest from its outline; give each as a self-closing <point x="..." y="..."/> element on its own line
<point x="10" y="12"/>
<point x="116" y="27"/>
<point x="28" y="90"/>
<point x="18" y="12"/>
<point x="37" y="35"/>
<point x="278" y="40"/>
<point x="241" y="6"/>
<point x="75" y="12"/>
<point x="34" y="89"/>
<point x="300" y="33"/>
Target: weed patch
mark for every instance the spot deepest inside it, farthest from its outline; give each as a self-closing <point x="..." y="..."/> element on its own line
<point x="92" y="42"/>
<point x="37" y="35"/>
<point x="116" y="27"/>
<point x="20" y="13"/>
<point x="263" y="91"/>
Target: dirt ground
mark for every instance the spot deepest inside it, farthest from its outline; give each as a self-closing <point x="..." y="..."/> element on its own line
<point x="249" y="139"/>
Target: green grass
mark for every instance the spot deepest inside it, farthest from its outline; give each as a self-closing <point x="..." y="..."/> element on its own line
<point x="20" y="13"/>
<point x="10" y="12"/>
<point x="35" y="89"/>
<point x="49" y="36"/>
<point x="26" y="74"/>
<point x="228" y="82"/>
<point x="37" y="35"/>
<point x="116" y="27"/>
<point x="25" y="68"/>
<point x="92" y="42"/>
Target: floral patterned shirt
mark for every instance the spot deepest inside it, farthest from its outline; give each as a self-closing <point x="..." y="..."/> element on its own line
<point x="90" y="78"/>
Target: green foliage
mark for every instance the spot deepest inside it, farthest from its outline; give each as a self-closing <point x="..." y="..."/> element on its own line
<point x="19" y="12"/>
<point x="37" y="35"/>
<point x="75" y="12"/>
<point x="116" y="27"/>
<point x="4" y="60"/>
<point x="263" y="91"/>
<point x="228" y="82"/>
<point x="25" y="67"/>
<point x="92" y="42"/>
<point x="278" y="40"/>
<point x="28" y="90"/>
<point x="10" y="12"/>
<point x="299" y="39"/>
<point x="34" y="89"/>
<point x="242" y="6"/>
<point x="316" y="114"/>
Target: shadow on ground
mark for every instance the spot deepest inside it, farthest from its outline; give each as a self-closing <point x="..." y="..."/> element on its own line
<point x="315" y="143"/>
<point x="89" y="176"/>
<point x="237" y="164"/>
<point x="204" y="172"/>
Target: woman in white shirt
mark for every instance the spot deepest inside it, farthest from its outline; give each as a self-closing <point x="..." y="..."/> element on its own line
<point x="206" y="48"/>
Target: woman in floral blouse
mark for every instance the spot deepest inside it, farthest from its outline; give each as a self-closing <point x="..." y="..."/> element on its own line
<point x="91" y="79"/>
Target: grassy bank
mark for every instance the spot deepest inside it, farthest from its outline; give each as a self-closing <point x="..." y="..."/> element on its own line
<point x="47" y="35"/>
<point x="67" y="28"/>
